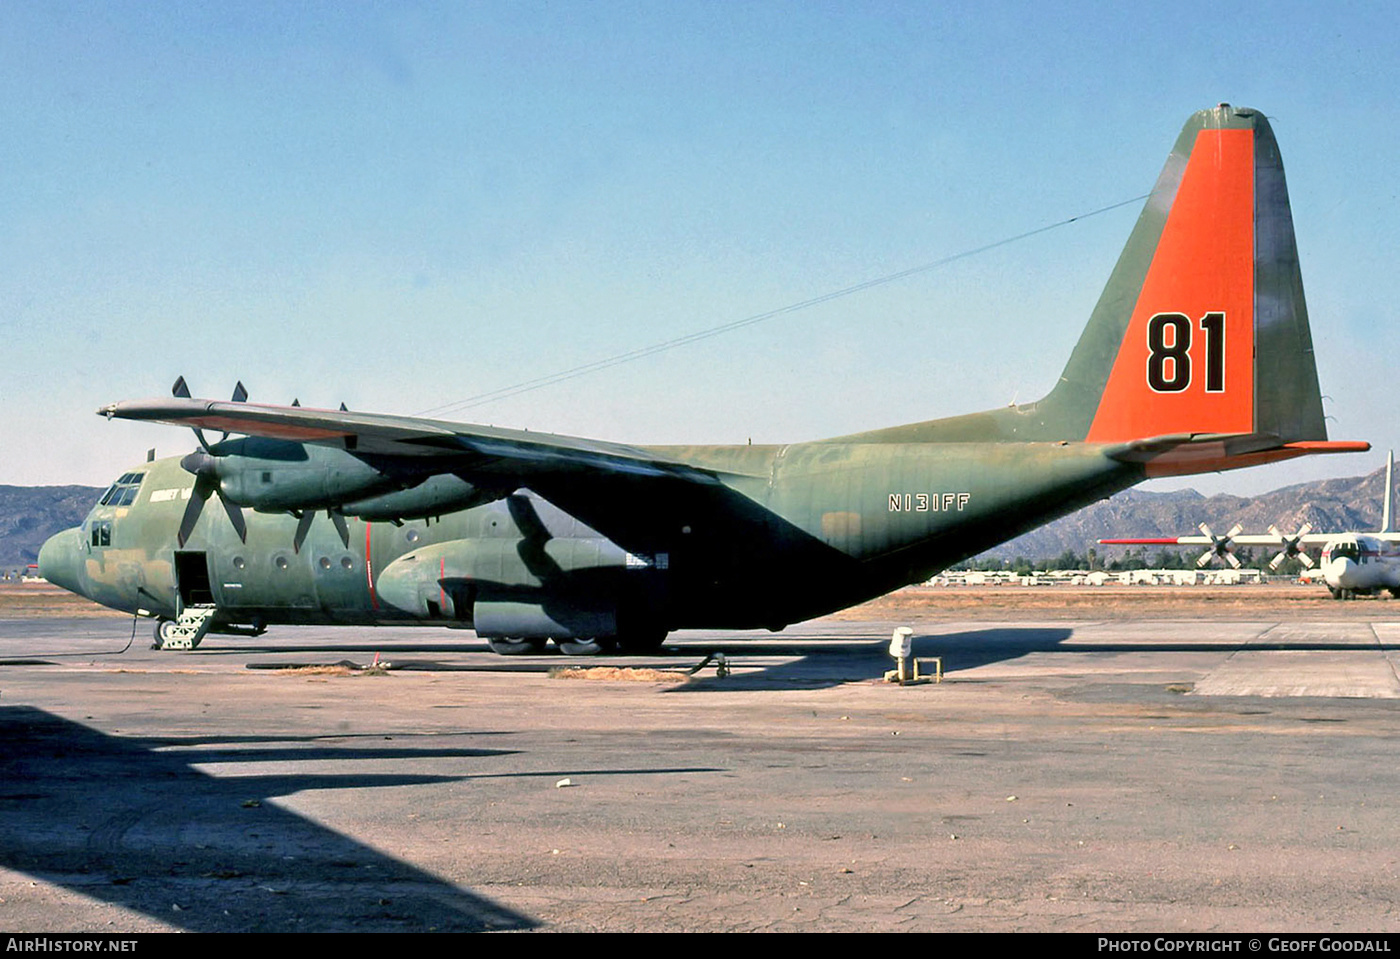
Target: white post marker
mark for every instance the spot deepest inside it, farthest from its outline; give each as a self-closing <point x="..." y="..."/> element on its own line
<point x="901" y="648"/>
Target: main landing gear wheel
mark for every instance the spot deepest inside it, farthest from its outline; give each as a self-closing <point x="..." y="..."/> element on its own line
<point x="584" y="647"/>
<point x="640" y="642"/>
<point x="507" y="646"/>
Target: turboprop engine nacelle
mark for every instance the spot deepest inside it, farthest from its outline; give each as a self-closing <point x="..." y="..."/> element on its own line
<point x="498" y="587"/>
<point x="435" y="496"/>
<point x="275" y="475"/>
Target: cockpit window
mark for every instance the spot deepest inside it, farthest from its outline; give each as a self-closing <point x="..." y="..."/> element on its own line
<point x="123" y="491"/>
<point x="1349" y="551"/>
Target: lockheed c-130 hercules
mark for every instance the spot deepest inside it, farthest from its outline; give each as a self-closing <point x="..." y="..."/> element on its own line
<point x="1197" y="357"/>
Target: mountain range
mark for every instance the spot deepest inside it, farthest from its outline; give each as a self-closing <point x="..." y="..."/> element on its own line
<point x="31" y="514"/>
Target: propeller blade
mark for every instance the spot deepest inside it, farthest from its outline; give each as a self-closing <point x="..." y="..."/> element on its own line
<point x="235" y="516"/>
<point x="181" y="389"/>
<point x="303" y="527"/>
<point x="1305" y="559"/>
<point x="206" y="484"/>
<point x="1232" y="559"/>
<point x="198" y="496"/>
<point x="1204" y="560"/>
<point x="341" y="527"/>
<point x="1277" y="561"/>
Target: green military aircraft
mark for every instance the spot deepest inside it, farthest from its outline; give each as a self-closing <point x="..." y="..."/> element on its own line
<point x="1198" y="357"/>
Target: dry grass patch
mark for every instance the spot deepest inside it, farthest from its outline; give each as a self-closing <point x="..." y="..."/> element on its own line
<point x="42" y="600"/>
<point x="619" y="674"/>
<point x="316" y="671"/>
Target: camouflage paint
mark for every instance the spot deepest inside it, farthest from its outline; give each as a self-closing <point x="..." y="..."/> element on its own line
<point x="568" y="537"/>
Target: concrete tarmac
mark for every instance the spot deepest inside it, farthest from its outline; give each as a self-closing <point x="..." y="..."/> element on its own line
<point x="1115" y="774"/>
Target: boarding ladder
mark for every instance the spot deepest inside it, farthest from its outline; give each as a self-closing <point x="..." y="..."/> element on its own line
<point x="185" y="631"/>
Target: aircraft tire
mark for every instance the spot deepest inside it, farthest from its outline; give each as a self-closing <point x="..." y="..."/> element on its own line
<point x="164" y="632"/>
<point x="584" y="647"/>
<point x="640" y="642"/>
<point x="506" y="646"/>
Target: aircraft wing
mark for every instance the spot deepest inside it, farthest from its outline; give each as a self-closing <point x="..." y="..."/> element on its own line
<point x="402" y="436"/>
<point x="1222" y="547"/>
<point x="637" y="497"/>
<point x="1248" y="539"/>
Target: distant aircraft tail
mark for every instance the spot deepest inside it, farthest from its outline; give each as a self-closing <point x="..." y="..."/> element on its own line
<point x="1202" y="330"/>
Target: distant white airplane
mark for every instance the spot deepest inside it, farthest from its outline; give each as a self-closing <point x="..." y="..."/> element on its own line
<point x="1353" y="564"/>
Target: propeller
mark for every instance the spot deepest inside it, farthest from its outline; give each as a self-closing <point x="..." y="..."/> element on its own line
<point x="181" y="389"/>
<point x="206" y="479"/>
<point x="206" y="484"/>
<point x="1291" y="547"/>
<point x="304" y="520"/>
<point x="201" y="463"/>
<point x="1219" y="546"/>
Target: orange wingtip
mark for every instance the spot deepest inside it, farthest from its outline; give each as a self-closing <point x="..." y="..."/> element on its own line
<point x="1329" y="446"/>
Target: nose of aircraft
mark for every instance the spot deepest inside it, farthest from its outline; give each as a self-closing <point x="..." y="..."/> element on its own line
<point x="1340" y="573"/>
<point x="59" y="559"/>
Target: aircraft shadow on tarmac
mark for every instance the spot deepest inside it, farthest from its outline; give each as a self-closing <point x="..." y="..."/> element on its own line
<point x="120" y="821"/>
<point x="815" y="663"/>
<point x="839" y="660"/>
<point x="831" y="662"/>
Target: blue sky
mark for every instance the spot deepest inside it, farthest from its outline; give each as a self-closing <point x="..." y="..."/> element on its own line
<point x="405" y="205"/>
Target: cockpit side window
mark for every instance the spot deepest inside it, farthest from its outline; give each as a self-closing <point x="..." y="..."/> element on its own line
<point x="123" y="491"/>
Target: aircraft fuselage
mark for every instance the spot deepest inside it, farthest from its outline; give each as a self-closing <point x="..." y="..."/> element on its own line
<point x="842" y="523"/>
<point x="1358" y="563"/>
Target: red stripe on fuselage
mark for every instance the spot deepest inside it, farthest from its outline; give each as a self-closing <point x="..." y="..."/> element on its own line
<point x="369" y="571"/>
